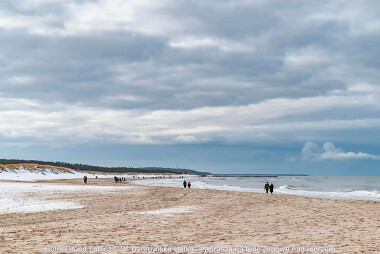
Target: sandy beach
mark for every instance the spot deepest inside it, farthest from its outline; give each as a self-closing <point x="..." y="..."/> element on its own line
<point x="132" y="218"/>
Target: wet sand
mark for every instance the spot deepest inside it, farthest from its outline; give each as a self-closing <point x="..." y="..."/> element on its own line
<point x="201" y="220"/>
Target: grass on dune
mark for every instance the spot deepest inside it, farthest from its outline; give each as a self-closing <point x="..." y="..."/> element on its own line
<point x="33" y="167"/>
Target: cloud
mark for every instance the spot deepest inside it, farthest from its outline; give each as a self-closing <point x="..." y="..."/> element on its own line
<point x="265" y="121"/>
<point x="146" y="71"/>
<point x="312" y="151"/>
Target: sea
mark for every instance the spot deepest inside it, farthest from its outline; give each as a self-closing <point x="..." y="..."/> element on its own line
<point x="333" y="187"/>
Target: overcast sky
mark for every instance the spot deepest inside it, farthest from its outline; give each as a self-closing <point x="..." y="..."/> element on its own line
<point x="229" y="86"/>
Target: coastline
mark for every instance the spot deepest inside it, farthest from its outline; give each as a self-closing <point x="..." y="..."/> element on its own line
<point x="310" y="186"/>
<point x="196" y="218"/>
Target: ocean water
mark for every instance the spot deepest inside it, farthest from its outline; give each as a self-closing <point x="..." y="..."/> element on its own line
<point x="335" y="187"/>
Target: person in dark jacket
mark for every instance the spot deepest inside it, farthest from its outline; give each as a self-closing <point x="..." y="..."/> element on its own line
<point x="271" y="187"/>
<point x="184" y="184"/>
<point x="266" y="187"/>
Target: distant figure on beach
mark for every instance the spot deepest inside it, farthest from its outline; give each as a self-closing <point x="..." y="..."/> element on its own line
<point x="85" y="179"/>
<point x="266" y="187"/>
<point x="188" y="184"/>
<point x="184" y="184"/>
<point x="271" y="186"/>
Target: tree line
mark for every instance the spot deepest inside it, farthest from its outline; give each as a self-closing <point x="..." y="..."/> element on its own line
<point x="85" y="167"/>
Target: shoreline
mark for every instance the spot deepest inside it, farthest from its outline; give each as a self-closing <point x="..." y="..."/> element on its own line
<point x="130" y="181"/>
<point x="284" y="186"/>
<point x="371" y="195"/>
<point x="70" y="181"/>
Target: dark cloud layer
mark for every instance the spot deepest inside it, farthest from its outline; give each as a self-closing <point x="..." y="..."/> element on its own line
<point x="194" y="76"/>
<point x="188" y="71"/>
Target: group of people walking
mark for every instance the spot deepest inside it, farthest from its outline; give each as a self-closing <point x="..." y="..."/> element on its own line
<point x="188" y="184"/>
<point x="118" y="179"/>
<point x="269" y="187"/>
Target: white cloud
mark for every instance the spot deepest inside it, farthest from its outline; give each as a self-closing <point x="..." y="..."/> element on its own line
<point x="186" y="138"/>
<point x="268" y="120"/>
<point x="143" y="16"/>
<point x="309" y="56"/>
<point x="221" y="44"/>
<point x="311" y="151"/>
<point x="364" y="88"/>
<point x="20" y="79"/>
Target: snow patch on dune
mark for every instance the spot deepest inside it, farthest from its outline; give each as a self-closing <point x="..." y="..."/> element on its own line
<point x="23" y="174"/>
<point x="35" y="173"/>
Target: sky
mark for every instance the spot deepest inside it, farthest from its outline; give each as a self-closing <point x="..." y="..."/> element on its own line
<point x="227" y="87"/>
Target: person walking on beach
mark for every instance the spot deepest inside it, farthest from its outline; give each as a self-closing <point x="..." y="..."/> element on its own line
<point x="85" y="179"/>
<point x="189" y="184"/>
<point x="271" y="187"/>
<point x="266" y="187"/>
<point x="184" y="184"/>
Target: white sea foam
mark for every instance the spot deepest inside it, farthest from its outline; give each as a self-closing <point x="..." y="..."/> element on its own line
<point x="357" y="195"/>
<point x="226" y="187"/>
<point x="288" y="187"/>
